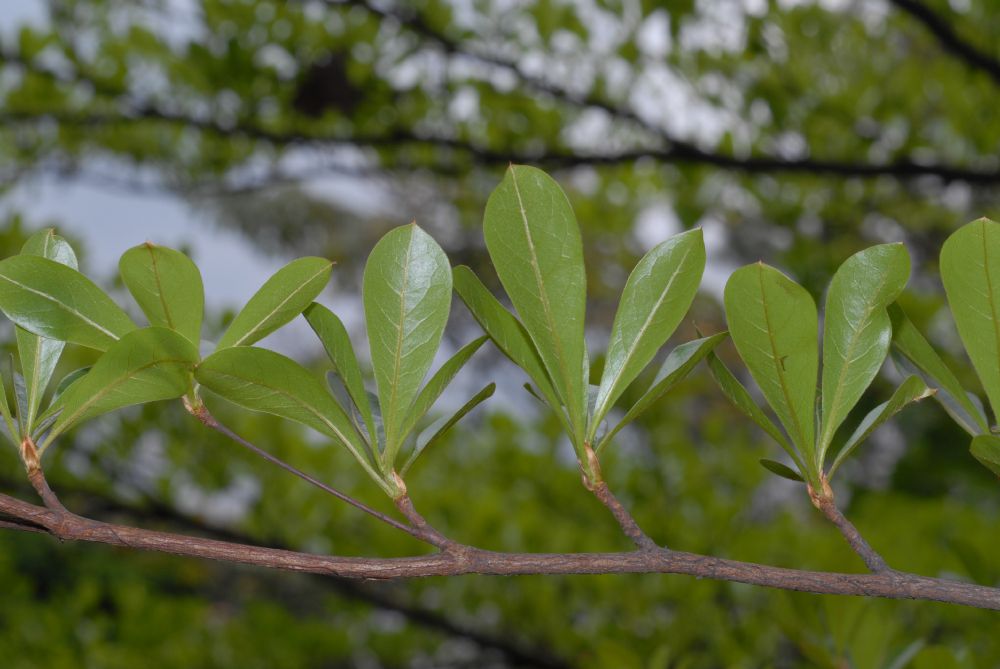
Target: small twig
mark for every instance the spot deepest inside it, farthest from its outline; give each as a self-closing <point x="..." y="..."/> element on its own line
<point x="602" y="492"/>
<point x="427" y="532"/>
<point x="202" y="414"/>
<point x="825" y="503"/>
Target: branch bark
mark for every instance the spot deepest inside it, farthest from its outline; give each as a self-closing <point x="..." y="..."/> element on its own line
<point x="890" y="584"/>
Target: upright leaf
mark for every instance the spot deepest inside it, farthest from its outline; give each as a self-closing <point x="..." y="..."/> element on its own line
<point x="282" y="297"/>
<point x="913" y="389"/>
<point x="970" y="270"/>
<point x="657" y="295"/>
<point x="145" y="365"/>
<point x="440" y="428"/>
<point x="265" y="381"/>
<point x="857" y="330"/>
<point x="919" y="357"/>
<point x="407" y="296"/>
<point x="8" y="419"/>
<point x="332" y="333"/>
<point x="57" y="302"/>
<point x="40" y="355"/>
<point x="534" y="241"/>
<point x="167" y="286"/>
<point x="773" y="323"/>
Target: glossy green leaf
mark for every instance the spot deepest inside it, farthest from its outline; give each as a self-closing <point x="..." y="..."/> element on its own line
<point x="913" y="389"/>
<point x="437" y="384"/>
<point x="282" y="297"/>
<point x="919" y="357"/>
<point x="534" y="242"/>
<point x="8" y="419"/>
<point x="657" y="295"/>
<point x="970" y="271"/>
<point x="145" y="365"/>
<point x="675" y="368"/>
<point x="167" y="286"/>
<point x="407" y="297"/>
<point x="435" y="432"/>
<point x="986" y="449"/>
<point x="507" y="334"/>
<point x="741" y="399"/>
<point x="265" y="381"/>
<point x="57" y="302"/>
<point x="773" y="323"/>
<point x="857" y="330"/>
<point x="332" y="333"/>
<point x="784" y="471"/>
<point x="40" y="355"/>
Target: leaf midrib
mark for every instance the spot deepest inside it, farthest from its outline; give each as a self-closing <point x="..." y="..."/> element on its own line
<point x="159" y="289"/>
<point x="277" y="307"/>
<point x="62" y="305"/>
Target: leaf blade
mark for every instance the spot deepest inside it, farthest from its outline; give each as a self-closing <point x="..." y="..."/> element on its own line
<point x="282" y="297"/>
<point x="986" y="449"/>
<point x="658" y="293"/>
<point x="167" y="286"/>
<point x="420" y="448"/>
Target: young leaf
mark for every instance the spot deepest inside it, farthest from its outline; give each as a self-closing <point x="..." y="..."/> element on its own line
<point x="534" y="242"/>
<point x="437" y="384"/>
<point x="331" y="331"/>
<point x="145" y="365"/>
<point x="913" y="389"/>
<point x="986" y="449"/>
<point x="57" y="302"/>
<point x="970" y="270"/>
<point x="784" y="471"/>
<point x="675" y="368"/>
<point x="919" y="357"/>
<point x="47" y="244"/>
<point x="39" y="355"/>
<point x="507" y="333"/>
<point x="407" y="297"/>
<point x="773" y="323"/>
<point x="167" y="286"/>
<point x="657" y="295"/>
<point x="265" y="381"/>
<point x="436" y="431"/>
<point x="857" y="329"/>
<point x="8" y="419"/>
<point x="282" y="297"/>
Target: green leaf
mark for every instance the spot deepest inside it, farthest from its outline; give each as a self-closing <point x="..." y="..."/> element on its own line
<point x="265" y="381"/>
<point x="986" y="449"/>
<point x="438" y="431"/>
<point x="657" y="295"/>
<point x="40" y="355"/>
<point x="282" y="297"/>
<point x="167" y="286"/>
<point x="675" y="368"/>
<point x="773" y="323"/>
<point x="534" y="242"/>
<point x="332" y="333"/>
<point x="857" y="330"/>
<point x="57" y="302"/>
<point x="507" y="333"/>
<point x="145" y="365"/>
<point x="741" y="399"/>
<point x="407" y="297"/>
<point x="47" y="244"/>
<point x="8" y="419"/>
<point x="925" y="361"/>
<point x="913" y="389"/>
<point x="970" y="270"/>
<point x="437" y="384"/>
<point x="784" y="471"/>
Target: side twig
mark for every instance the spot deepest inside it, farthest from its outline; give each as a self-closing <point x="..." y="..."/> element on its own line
<point x="825" y="503"/>
<point x="603" y="493"/>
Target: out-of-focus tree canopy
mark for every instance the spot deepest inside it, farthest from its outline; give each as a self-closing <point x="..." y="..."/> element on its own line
<point x="791" y="130"/>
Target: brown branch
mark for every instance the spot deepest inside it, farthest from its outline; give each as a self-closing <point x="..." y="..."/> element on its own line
<point x="889" y="584"/>
<point x="599" y="487"/>
<point x="949" y="39"/>
<point x="825" y="503"/>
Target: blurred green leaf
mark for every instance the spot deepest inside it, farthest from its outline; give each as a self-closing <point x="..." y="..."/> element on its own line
<point x="657" y="295"/>
<point x="986" y="449"/>
<point x="167" y="286"/>
<point x="407" y="297"/>
<point x="534" y="242"/>
<point x="773" y="323"/>
<point x="857" y="330"/>
<point x="282" y="297"/>
<point x="57" y="302"/>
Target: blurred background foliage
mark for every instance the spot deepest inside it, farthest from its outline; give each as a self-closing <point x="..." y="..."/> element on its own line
<point x="793" y="131"/>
